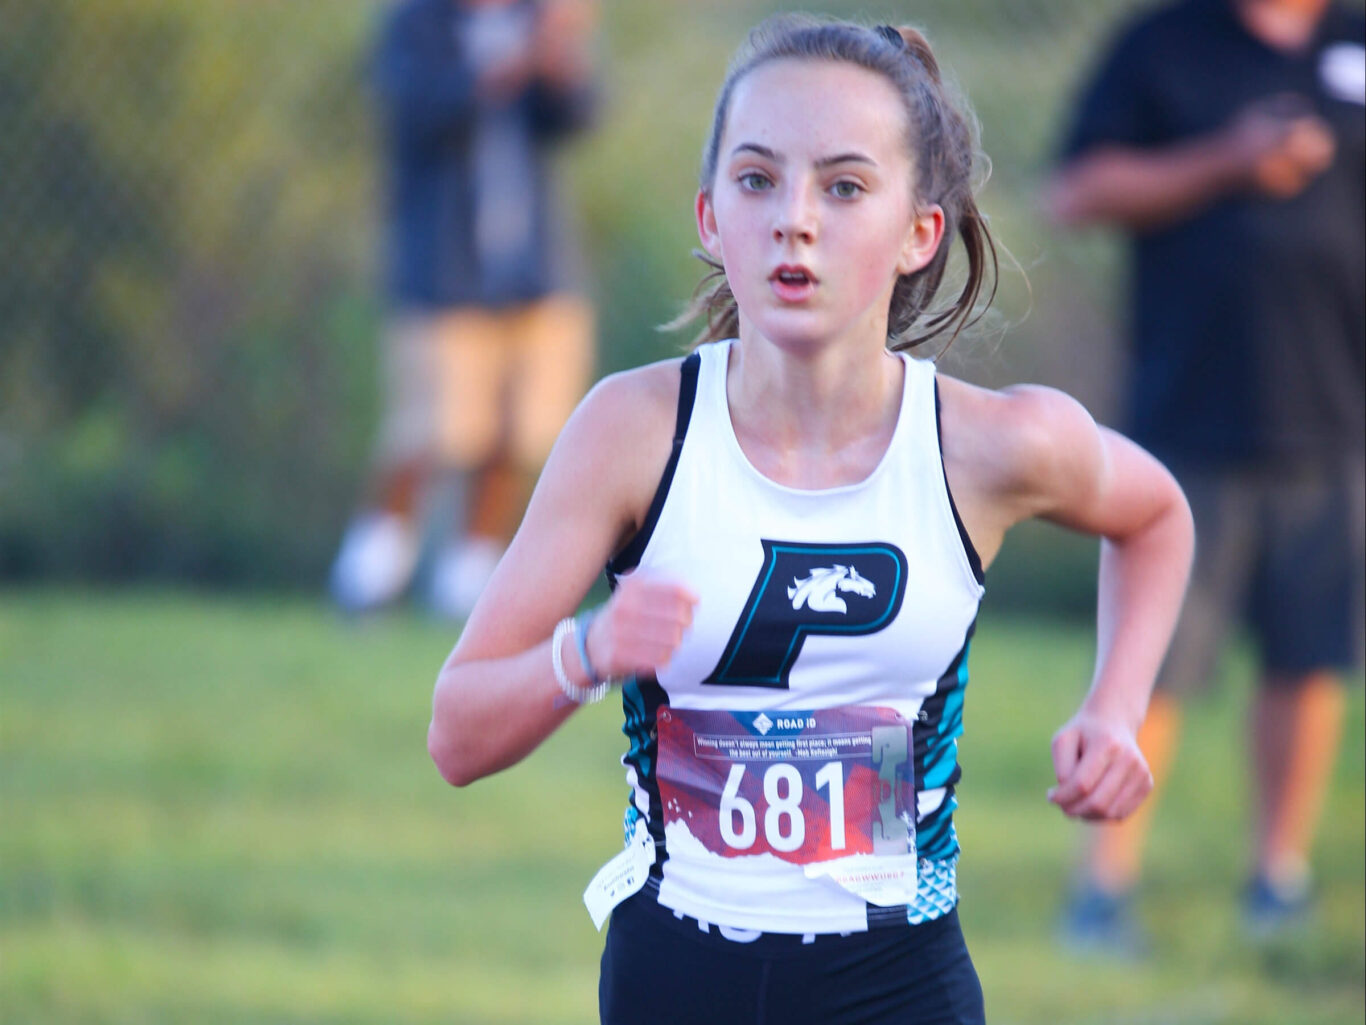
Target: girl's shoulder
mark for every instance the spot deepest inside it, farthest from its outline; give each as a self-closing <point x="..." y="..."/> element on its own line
<point x="1009" y="447"/>
<point x="621" y="435"/>
<point x="607" y="462"/>
<point x="644" y="398"/>
<point x="1023" y="421"/>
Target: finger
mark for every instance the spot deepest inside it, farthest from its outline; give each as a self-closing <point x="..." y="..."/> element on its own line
<point x="1083" y="779"/>
<point x="672" y="614"/>
<point x="643" y="637"/>
<point x="651" y="627"/>
<point x="1101" y="800"/>
<point x="658" y="597"/>
<point x="1066" y="752"/>
<point x="1133" y="796"/>
<point x="658" y="637"/>
<point x="1119" y="795"/>
<point x="645" y="580"/>
<point x="676" y="598"/>
<point x="639" y="604"/>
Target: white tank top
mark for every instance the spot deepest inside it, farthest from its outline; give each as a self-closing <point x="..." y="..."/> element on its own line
<point x="860" y="595"/>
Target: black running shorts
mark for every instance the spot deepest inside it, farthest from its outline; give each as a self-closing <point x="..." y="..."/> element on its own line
<point x="659" y="969"/>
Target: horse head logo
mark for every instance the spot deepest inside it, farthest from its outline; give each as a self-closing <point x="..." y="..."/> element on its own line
<point x="818" y="592"/>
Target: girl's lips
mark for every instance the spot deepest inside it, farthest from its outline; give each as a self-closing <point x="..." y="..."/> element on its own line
<point x="792" y="283"/>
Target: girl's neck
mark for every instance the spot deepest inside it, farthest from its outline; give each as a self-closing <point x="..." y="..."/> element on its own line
<point x="817" y="417"/>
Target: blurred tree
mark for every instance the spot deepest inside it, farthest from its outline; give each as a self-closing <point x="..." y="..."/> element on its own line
<point x="188" y="190"/>
<point x="188" y="306"/>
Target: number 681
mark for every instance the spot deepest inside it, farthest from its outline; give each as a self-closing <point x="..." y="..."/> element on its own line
<point x="784" y="823"/>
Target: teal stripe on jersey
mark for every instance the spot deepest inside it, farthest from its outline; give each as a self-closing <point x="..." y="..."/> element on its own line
<point x="937" y="730"/>
<point x="944" y="759"/>
<point x="935" y="837"/>
<point x="628" y="824"/>
<point x="637" y="726"/>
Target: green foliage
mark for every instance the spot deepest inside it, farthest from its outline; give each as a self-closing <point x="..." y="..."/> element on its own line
<point x="189" y="307"/>
<point x="186" y="330"/>
<point x="218" y="811"/>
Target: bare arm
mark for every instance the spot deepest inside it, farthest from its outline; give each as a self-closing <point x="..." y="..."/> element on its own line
<point x="1098" y="482"/>
<point x="1266" y="149"/>
<point x="1034" y="452"/>
<point x="556" y="66"/>
<point x="496" y="696"/>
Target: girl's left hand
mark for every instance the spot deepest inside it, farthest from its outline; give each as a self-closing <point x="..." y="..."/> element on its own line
<point x="1102" y="775"/>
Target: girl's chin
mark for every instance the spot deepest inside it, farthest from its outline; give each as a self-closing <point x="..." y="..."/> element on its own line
<point x="800" y="329"/>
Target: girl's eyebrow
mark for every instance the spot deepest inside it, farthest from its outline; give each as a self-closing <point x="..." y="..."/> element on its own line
<point x="851" y="157"/>
<point x="846" y="158"/>
<point x="754" y="147"/>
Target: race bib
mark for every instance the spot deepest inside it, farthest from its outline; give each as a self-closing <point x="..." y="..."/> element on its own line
<point x="832" y="790"/>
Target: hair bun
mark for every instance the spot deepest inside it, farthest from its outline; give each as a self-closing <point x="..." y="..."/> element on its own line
<point x="918" y="46"/>
<point x="891" y="35"/>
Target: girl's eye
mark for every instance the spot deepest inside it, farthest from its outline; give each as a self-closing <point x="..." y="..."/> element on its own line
<point x="753" y="181"/>
<point x="846" y="190"/>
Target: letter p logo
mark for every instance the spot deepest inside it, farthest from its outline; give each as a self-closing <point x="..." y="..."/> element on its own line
<point x="804" y="589"/>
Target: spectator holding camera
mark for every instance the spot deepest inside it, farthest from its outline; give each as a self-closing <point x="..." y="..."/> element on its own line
<point x="1225" y="138"/>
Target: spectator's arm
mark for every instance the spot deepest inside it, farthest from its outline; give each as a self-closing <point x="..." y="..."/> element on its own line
<point x="559" y="111"/>
<point x="1262" y="150"/>
<point x="426" y="91"/>
<point x="1144" y="189"/>
<point x="563" y="96"/>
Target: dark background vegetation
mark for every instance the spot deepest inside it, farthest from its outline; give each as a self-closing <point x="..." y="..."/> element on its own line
<point x="189" y="305"/>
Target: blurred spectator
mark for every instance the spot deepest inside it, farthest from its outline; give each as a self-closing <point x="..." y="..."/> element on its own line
<point x="1226" y="138"/>
<point x="490" y="341"/>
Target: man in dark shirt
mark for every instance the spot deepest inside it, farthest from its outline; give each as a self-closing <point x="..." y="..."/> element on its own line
<point x="1226" y="137"/>
<point x="490" y="342"/>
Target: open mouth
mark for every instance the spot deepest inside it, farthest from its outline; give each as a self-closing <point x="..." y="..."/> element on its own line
<point x="793" y="276"/>
<point x="792" y="283"/>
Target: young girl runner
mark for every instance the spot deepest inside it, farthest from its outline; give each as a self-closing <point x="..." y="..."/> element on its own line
<point x="796" y="519"/>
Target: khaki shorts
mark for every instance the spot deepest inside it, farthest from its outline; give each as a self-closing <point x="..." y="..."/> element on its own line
<point x="466" y="385"/>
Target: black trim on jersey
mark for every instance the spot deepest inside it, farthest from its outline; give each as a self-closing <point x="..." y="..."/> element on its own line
<point x="974" y="560"/>
<point x="933" y="838"/>
<point x="646" y="764"/>
<point x="629" y="557"/>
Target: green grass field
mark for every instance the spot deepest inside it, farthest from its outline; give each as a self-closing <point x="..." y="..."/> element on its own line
<point x="220" y="810"/>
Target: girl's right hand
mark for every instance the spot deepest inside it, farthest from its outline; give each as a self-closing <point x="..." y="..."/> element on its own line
<point x="640" y="627"/>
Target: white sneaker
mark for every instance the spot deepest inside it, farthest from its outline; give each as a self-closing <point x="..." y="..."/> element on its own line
<point x="460" y="574"/>
<point x="375" y="563"/>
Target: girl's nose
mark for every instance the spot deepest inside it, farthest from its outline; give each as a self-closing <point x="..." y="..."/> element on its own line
<point x="796" y="221"/>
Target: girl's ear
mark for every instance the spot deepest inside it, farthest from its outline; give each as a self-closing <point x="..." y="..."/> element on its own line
<point x="922" y="240"/>
<point x="706" y="225"/>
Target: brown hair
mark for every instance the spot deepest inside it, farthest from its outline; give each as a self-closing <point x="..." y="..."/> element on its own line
<point x="943" y="140"/>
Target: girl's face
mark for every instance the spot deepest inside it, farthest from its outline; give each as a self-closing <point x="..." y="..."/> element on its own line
<point x="811" y="212"/>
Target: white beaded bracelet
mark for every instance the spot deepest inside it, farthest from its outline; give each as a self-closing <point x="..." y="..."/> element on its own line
<point x="579" y="695"/>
